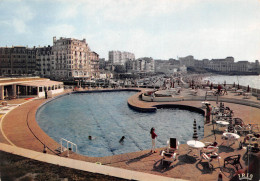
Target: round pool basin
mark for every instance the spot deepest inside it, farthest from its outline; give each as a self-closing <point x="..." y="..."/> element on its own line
<point x="106" y="117"/>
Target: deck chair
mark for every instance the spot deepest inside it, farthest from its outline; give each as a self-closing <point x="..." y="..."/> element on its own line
<point x="209" y="156"/>
<point x="172" y="145"/>
<point x="169" y="154"/>
<point x="168" y="158"/>
<point x="238" y="121"/>
<point x="210" y="147"/>
<point x="233" y="160"/>
<point x="243" y="130"/>
<point x="210" y="152"/>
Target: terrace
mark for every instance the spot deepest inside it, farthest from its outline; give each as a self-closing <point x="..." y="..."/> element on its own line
<point x="19" y="128"/>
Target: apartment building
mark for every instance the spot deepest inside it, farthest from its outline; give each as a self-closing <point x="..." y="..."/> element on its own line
<point x="120" y="58"/>
<point x="145" y="65"/>
<point x="43" y="61"/>
<point x="17" y="60"/>
<point x="94" y="63"/>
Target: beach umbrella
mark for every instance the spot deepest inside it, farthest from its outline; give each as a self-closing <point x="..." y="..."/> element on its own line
<point x="248" y="88"/>
<point x="195" y="134"/>
<point x="230" y="126"/>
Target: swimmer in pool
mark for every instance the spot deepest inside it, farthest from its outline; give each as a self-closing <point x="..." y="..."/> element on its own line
<point x="91" y="138"/>
<point x="122" y="140"/>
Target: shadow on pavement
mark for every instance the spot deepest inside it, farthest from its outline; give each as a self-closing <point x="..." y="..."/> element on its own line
<point x="138" y="158"/>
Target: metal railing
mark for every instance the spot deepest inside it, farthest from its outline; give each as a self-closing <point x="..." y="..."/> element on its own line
<point x="70" y="145"/>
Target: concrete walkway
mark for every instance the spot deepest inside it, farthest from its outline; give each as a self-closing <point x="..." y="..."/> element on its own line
<point x="82" y="165"/>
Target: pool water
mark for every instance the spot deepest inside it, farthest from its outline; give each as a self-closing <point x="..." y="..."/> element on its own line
<point x="106" y="117"/>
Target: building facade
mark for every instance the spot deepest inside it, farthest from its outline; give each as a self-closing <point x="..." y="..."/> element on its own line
<point x="43" y="61"/>
<point x="167" y="66"/>
<point x="188" y="61"/>
<point x="144" y="65"/>
<point x="120" y="58"/>
<point x="17" y="60"/>
<point x="94" y="63"/>
<point x="72" y="58"/>
<point x="68" y="58"/>
<point x="226" y="65"/>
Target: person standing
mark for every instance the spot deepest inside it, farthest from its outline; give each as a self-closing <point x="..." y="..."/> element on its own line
<point x="46" y="94"/>
<point x="153" y="135"/>
<point x="208" y="113"/>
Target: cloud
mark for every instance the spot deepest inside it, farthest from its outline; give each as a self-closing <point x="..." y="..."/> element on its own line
<point x="24" y="13"/>
<point x="68" y="11"/>
<point x="19" y="25"/>
<point x="60" y="30"/>
<point x="18" y="17"/>
<point x="156" y="28"/>
<point x="130" y="10"/>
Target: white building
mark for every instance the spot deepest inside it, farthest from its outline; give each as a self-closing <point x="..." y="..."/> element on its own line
<point x="120" y="58"/>
<point x="228" y="65"/>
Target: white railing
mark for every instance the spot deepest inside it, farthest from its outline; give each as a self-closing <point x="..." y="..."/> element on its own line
<point x="69" y="145"/>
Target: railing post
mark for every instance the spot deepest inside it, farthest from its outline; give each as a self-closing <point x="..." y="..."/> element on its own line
<point x="61" y="145"/>
<point x="68" y="153"/>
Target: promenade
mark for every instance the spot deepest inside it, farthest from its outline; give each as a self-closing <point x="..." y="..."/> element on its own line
<point x="20" y="129"/>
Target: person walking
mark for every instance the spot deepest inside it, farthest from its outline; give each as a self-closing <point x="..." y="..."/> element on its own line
<point x="153" y="135"/>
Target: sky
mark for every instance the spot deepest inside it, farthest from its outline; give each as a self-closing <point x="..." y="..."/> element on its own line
<point x="160" y="29"/>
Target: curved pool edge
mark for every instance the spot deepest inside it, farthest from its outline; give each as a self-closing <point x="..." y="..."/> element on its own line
<point x="112" y="160"/>
<point x="137" y="104"/>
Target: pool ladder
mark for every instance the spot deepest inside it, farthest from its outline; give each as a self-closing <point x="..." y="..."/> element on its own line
<point x="70" y="145"/>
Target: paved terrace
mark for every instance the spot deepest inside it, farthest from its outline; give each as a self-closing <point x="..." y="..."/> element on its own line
<point x="19" y="128"/>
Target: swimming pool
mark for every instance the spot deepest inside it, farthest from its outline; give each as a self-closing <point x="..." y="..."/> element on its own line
<point x="107" y="117"/>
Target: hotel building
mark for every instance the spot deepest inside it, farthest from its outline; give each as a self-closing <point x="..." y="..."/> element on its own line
<point x="72" y="58"/>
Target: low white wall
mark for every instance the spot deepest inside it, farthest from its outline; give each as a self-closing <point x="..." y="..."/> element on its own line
<point x="161" y="99"/>
<point x="57" y="91"/>
<point x="41" y="94"/>
<point x="50" y="92"/>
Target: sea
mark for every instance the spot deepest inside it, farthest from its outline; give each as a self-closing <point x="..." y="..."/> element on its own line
<point x="253" y="80"/>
